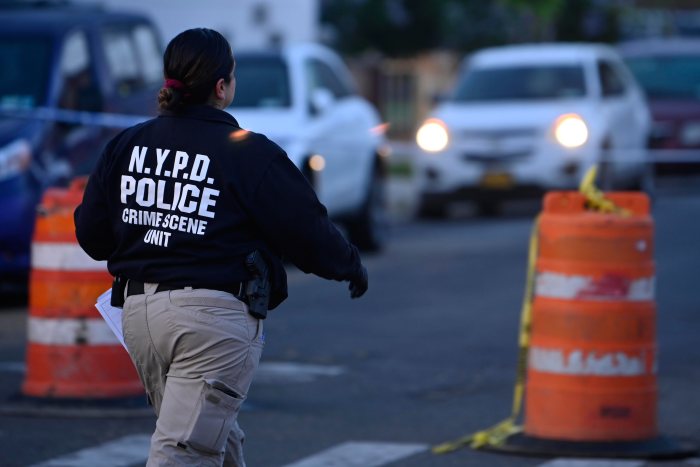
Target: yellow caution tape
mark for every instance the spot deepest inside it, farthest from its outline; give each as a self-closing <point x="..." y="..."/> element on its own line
<point x="595" y="199"/>
<point x="497" y="434"/>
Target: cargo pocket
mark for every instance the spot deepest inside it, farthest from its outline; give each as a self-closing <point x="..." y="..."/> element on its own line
<point x="213" y="417"/>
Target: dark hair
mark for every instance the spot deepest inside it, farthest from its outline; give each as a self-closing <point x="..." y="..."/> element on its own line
<point x="197" y="58"/>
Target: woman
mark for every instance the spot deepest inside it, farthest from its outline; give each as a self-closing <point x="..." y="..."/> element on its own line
<point x="176" y="205"/>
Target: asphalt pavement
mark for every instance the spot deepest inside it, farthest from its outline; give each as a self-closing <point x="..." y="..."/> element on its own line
<point x="428" y="355"/>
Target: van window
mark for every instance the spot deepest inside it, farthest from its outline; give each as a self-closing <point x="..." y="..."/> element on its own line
<point x="526" y="82"/>
<point x="668" y="76"/>
<point x="611" y="83"/>
<point x="79" y="88"/>
<point x="261" y="81"/>
<point x="322" y="76"/>
<point x="133" y="58"/>
<point x="24" y="72"/>
<point x="122" y="61"/>
<point x="148" y="51"/>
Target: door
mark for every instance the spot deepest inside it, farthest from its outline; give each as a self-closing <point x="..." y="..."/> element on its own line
<point x="76" y="139"/>
<point x="338" y="137"/>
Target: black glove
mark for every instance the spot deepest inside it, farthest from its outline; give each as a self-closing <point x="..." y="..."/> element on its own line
<point x="359" y="283"/>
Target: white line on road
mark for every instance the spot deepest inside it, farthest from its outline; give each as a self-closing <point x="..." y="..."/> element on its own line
<point x="290" y="372"/>
<point x="360" y="454"/>
<point x="268" y="372"/>
<point x="592" y="463"/>
<point x="122" y="452"/>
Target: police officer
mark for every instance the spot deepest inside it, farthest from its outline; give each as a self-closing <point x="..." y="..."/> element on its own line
<point x="176" y="205"/>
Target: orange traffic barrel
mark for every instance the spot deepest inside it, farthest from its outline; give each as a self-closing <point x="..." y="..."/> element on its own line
<point x="591" y="382"/>
<point x="71" y="352"/>
<point x="592" y="358"/>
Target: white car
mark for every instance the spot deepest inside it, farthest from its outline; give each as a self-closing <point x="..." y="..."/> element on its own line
<point x="524" y="119"/>
<point x="302" y="97"/>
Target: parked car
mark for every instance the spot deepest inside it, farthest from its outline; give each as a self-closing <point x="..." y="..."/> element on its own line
<point x="668" y="69"/>
<point x="524" y="119"/>
<point x="303" y="98"/>
<point x="70" y="78"/>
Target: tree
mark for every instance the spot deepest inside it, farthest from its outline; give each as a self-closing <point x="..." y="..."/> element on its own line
<point x="407" y="27"/>
<point x="543" y="13"/>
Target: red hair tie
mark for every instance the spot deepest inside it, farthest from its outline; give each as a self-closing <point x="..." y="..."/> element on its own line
<point x="175" y="84"/>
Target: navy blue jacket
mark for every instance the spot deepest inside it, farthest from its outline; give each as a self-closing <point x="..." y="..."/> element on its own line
<point x="183" y="198"/>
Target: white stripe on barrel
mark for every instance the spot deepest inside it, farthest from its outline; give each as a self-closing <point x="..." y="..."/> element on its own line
<point x="608" y="287"/>
<point x="63" y="257"/>
<point x="579" y="362"/>
<point x="85" y="331"/>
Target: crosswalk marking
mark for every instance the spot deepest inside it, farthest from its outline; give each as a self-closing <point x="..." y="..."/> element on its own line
<point x="610" y="463"/>
<point x="268" y="372"/>
<point x="133" y="449"/>
<point x="122" y="452"/>
<point x="360" y="454"/>
<point x="291" y="372"/>
<point x="592" y="463"/>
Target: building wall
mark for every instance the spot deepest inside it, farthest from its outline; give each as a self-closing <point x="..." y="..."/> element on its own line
<point x="404" y="90"/>
<point x="245" y="23"/>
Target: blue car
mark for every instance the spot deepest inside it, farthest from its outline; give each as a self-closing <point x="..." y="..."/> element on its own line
<point x="70" y="78"/>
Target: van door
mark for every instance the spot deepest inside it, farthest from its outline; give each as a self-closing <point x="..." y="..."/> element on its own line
<point x="134" y="68"/>
<point x="339" y="136"/>
<point x="75" y="142"/>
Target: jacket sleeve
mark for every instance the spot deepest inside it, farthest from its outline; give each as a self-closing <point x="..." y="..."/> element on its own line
<point x="93" y="228"/>
<point x="295" y="223"/>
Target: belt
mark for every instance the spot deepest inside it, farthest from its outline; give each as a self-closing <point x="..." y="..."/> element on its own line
<point x="136" y="288"/>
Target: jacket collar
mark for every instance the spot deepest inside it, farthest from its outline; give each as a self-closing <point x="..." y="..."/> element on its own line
<point x="203" y="112"/>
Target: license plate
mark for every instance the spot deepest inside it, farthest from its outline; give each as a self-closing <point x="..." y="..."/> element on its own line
<point x="497" y="180"/>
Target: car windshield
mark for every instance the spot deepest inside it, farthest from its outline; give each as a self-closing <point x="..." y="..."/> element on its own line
<point x="24" y="72"/>
<point x="521" y="83"/>
<point x="261" y="82"/>
<point x="668" y="76"/>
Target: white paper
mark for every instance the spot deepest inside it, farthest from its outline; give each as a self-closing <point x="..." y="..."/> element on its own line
<point x="111" y="315"/>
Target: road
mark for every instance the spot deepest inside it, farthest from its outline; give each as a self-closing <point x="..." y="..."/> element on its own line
<point x="428" y="355"/>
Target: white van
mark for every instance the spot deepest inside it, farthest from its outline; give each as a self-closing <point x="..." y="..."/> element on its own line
<point x="302" y="97"/>
<point x="523" y="119"/>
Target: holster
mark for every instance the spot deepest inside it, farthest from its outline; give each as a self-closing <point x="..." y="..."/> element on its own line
<point x="118" y="289"/>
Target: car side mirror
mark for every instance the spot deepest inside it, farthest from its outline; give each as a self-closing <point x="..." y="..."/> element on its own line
<point x="321" y="100"/>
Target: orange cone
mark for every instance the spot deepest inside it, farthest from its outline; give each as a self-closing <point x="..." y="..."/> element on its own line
<point x="71" y="352"/>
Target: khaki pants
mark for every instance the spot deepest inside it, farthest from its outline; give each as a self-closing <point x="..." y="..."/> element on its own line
<point x="196" y="351"/>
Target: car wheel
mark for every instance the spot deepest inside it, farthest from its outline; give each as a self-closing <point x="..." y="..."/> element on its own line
<point x="370" y="229"/>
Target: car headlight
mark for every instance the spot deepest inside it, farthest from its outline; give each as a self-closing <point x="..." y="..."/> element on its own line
<point x="317" y="163"/>
<point x="14" y="158"/>
<point x="571" y="131"/>
<point x="690" y="134"/>
<point x="432" y="136"/>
